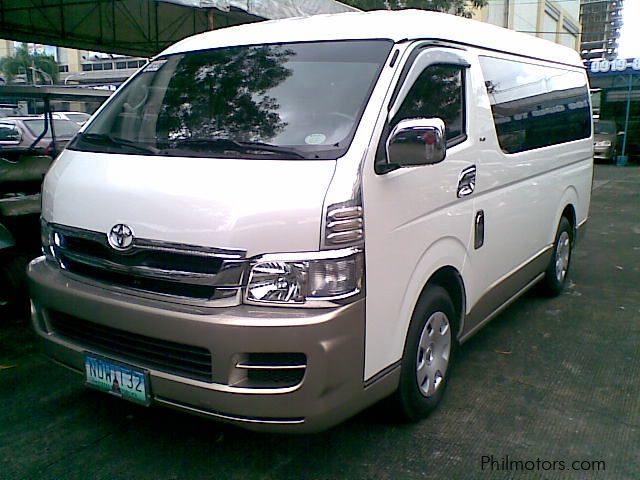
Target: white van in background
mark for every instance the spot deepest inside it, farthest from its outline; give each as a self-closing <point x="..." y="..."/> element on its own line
<point x="279" y="224"/>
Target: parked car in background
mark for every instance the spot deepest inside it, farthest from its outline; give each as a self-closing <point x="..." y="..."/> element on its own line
<point x="21" y="173"/>
<point x="22" y="132"/>
<point x="605" y="140"/>
<point x="77" y="117"/>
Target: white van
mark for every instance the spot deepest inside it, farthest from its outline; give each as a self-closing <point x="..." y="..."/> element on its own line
<point x="279" y="224"/>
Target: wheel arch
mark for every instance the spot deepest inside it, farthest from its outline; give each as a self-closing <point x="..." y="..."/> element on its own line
<point x="569" y="213"/>
<point x="567" y="208"/>
<point x="441" y="264"/>
<point x="450" y="279"/>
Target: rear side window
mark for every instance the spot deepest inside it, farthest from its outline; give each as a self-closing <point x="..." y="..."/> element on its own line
<point x="437" y="92"/>
<point x="536" y="106"/>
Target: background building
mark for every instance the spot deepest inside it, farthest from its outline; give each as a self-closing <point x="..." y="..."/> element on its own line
<point x="601" y="23"/>
<point x="554" y="20"/>
<point x="82" y="66"/>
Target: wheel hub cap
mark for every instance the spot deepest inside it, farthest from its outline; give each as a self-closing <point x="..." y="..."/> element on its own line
<point x="433" y="353"/>
<point x="562" y="256"/>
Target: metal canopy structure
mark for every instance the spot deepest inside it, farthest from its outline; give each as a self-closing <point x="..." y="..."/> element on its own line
<point x="54" y="93"/>
<point x="138" y="27"/>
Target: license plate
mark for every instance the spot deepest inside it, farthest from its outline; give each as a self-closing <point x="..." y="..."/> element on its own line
<point x="117" y="378"/>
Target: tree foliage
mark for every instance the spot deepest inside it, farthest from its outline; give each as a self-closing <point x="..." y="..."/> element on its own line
<point x="222" y="93"/>
<point x="457" y="7"/>
<point x="30" y="65"/>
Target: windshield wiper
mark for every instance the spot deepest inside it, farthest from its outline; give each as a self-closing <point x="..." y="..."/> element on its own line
<point x="222" y="144"/>
<point x="107" y="139"/>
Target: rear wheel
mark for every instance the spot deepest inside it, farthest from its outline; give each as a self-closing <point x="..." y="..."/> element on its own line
<point x="555" y="278"/>
<point x="427" y="355"/>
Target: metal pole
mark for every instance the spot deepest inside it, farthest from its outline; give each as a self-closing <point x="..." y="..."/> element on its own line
<point x="626" y="121"/>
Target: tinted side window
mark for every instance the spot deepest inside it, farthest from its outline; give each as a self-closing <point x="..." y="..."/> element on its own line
<point x="438" y="92"/>
<point x="536" y="106"/>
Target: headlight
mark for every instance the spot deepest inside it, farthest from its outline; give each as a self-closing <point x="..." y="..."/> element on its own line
<point x="302" y="278"/>
<point x="603" y="143"/>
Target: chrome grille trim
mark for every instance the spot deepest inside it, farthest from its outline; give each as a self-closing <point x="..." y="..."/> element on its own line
<point x="159" y="245"/>
<point x="147" y="265"/>
<point x="174" y="275"/>
<point x="253" y="366"/>
<point x="270" y="370"/>
<point x="225" y="253"/>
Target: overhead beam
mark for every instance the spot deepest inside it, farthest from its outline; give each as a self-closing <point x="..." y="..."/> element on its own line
<point x="128" y="27"/>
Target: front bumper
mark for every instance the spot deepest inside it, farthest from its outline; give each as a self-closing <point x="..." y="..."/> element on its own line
<point x="332" y="340"/>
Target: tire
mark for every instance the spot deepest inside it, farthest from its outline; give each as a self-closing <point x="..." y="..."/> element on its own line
<point x="13" y="279"/>
<point x="427" y="357"/>
<point x="555" y="277"/>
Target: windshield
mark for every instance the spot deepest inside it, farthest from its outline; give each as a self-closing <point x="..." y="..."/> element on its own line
<point x="63" y="128"/>
<point x="298" y="100"/>
<point x="605" y="128"/>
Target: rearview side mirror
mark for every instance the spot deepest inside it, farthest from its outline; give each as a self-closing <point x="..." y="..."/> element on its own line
<point x="417" y="141"/>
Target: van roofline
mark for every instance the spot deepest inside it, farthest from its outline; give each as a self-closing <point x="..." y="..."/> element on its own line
<point x="399" y="25"/>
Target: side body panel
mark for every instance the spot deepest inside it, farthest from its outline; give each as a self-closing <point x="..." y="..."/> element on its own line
<point x="414" y="224"/>
<point x="522" y="196"/>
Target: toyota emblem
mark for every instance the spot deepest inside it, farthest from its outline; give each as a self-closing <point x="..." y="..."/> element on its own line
<point x="121" y="236"/>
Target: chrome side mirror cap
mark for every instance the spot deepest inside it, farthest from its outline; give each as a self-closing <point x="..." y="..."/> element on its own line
<point x="417" y="141"/>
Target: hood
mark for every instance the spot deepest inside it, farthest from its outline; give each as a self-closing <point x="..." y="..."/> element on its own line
<point x="262" y="206"/>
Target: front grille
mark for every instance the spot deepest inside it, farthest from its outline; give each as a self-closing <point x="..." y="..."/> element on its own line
<point x="185" y="271"/>
<point x="158" y="259"/>
<point x="171" y="357"/>
<point x="165" y="287"/>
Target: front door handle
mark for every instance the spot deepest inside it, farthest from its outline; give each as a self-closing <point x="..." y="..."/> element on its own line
<point x="467" y="181"/>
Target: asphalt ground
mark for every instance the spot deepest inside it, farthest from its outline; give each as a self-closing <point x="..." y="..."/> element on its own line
<point x="548" y="380"/>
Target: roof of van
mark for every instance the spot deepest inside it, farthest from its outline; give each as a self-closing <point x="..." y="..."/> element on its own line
<point x="395" y="25"/>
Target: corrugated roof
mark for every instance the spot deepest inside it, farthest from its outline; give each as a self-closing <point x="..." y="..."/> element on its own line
<point x="395" y="25"/>
<point x="272" y="9"/>
<point x="139" y="27"/>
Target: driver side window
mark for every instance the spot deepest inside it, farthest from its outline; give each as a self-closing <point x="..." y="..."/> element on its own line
<point x="438" y="92"/>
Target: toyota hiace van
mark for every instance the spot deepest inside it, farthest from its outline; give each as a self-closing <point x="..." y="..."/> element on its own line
<point x="280" y="224"/>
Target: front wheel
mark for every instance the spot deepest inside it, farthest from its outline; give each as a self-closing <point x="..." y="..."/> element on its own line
<point x="555" y="278"/>
<point x="427" y="355"/>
